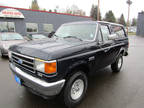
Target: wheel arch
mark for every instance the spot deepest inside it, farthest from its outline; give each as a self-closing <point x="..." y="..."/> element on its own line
<point x="122" y="51"/>
<point x="80" y="65"/>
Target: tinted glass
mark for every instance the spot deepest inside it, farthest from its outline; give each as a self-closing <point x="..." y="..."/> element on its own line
<point x="32" y="27"/>
<point x="118" y="30"/>
<point x="82" y="31"/>
<point x="105" y="32"/>
<point x="11" y="36"/>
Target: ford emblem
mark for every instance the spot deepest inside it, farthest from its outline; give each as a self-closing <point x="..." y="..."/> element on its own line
<point x="20" y="61"/>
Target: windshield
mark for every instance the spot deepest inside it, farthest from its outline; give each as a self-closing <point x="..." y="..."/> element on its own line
<point x="81" y="31"/>
<point x="38" y="36"/>
<point x="11" y="36"/>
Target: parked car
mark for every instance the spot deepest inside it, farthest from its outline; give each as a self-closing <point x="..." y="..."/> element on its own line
<point x="7" y="40"/>
<point x="60" y="66"/>
<point x="36" y="36"/>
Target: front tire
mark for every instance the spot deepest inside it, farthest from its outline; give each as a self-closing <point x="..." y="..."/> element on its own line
<point x="117" y="65"/>
<point x="1" y="54"/>
<point x="75" y="89"/>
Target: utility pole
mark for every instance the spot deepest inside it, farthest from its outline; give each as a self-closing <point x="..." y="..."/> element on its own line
<point x="129" y="2"/>
<point x="98" y="11"/>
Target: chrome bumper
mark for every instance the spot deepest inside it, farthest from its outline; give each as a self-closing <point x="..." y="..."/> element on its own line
<point x="37" y="85"/>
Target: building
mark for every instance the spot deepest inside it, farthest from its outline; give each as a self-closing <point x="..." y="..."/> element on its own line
<point x="27" y="21"/>
<point x="140" y="24"/>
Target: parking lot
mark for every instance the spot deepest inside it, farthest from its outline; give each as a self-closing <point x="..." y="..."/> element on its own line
<point x="106" y="90"/>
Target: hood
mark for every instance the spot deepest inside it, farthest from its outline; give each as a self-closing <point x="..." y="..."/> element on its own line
<point x="7" y="44"/>
<point x="50" y="49"/>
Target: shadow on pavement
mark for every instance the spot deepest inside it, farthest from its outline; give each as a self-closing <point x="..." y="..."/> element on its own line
<point x="96" y="83"/>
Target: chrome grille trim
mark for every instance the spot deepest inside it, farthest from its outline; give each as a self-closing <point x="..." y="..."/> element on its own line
<point x="23" y="56"/>
<point x="25" y="68"/>
<point x="23" y="60"/>
<point x="27" y="62"/>
<point x="23" y="64"/>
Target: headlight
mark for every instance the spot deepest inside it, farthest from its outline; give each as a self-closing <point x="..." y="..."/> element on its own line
<point x="9" y="54"/>
<point x="48" y="67"/>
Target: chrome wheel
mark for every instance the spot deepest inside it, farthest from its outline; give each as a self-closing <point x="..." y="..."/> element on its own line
<point x="77" y="89"/>
<point x="120" y="62"/>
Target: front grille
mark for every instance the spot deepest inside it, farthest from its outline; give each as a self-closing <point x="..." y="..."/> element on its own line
<point x="24" y="62"/>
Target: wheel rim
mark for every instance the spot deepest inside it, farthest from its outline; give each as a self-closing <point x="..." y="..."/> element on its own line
<point x="77" y="89"/>
<point x="120" y="62"/>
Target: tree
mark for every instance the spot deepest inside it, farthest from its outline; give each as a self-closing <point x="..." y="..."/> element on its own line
<point x="134" y="22"/>
<point x="121" y="20"/>
<point x="34" y="5"/>
<point x="109" y="16"/>
<point x="44" y="9"/>
<point x="75" y="10"/>
<point x="50" y="10"/>
<point x="93" y="12"/>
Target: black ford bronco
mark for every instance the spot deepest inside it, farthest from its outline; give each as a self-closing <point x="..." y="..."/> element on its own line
<point x="60" y="66"/>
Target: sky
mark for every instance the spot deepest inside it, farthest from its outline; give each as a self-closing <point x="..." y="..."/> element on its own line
<point x="117" y="6"/>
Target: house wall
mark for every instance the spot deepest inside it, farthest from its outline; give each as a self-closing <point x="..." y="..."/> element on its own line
<point x="40" y="17"/>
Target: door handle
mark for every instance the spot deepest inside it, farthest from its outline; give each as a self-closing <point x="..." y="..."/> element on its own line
<point x="106" y="50"/>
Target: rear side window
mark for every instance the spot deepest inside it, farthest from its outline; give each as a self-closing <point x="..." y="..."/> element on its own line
<point x="105" y="32"/>
<point x="118" y="30"/>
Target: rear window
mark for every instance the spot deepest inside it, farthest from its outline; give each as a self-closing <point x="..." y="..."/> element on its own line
<point x="118" y="30"/>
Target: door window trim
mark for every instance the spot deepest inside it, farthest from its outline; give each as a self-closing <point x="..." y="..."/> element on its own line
<point x="107" y="41"/>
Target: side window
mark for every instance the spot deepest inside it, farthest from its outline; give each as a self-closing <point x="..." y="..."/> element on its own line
<point x="32" y="27"/>
<point x="105" y="32"/>
<point x="118" y="30"/>
<point x="7" y="27"/>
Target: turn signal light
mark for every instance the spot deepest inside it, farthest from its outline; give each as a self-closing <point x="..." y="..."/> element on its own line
<point x="50" y="68"/>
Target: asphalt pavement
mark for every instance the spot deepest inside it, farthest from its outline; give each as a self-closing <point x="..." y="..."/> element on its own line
<point x="106" y="90"/>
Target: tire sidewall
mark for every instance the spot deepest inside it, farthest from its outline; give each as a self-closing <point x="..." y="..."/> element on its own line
<point x="67" y="92"/>
<point x="120" y="57"/>
<point x="1" y="55"/>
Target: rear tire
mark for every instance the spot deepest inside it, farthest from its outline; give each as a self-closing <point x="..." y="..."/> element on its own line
<point x="75" y="89"/>
<point x="117" y="65"/>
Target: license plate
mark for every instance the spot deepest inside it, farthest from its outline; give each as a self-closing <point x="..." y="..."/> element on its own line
<point x="18" y="80"/>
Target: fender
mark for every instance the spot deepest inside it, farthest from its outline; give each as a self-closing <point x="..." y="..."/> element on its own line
<point x="76" y="64"/>
<point x="122" y="50"/>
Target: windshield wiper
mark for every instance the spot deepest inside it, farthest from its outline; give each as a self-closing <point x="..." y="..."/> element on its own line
<point x="73" y="37"/>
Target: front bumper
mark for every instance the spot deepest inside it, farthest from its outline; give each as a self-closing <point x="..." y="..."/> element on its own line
<point x="38" y="86"/>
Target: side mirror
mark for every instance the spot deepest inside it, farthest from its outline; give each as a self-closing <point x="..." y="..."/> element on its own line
<point x="51" y="34"/>
<point x="112" y="36"/>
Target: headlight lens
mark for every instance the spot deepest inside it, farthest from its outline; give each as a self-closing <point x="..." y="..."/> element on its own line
<point x="46" y="67"/>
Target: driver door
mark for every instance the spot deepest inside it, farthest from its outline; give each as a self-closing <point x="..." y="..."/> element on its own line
<point x="106" y="47"/>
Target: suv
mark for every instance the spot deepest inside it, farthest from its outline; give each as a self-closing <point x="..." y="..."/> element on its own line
<point x="60" y="66"/>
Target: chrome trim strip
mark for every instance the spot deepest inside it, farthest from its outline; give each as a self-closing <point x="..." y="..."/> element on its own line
<point x="36" y="80"/>
<point x="13" y="56"/>
<point x="34" y="58"/>
<point x="25" y="68"/>
<point x="23" y="65"/>
<point x="90" y="52"/>
<point x="96" y="32"/>
<point x="23" y="55"/>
